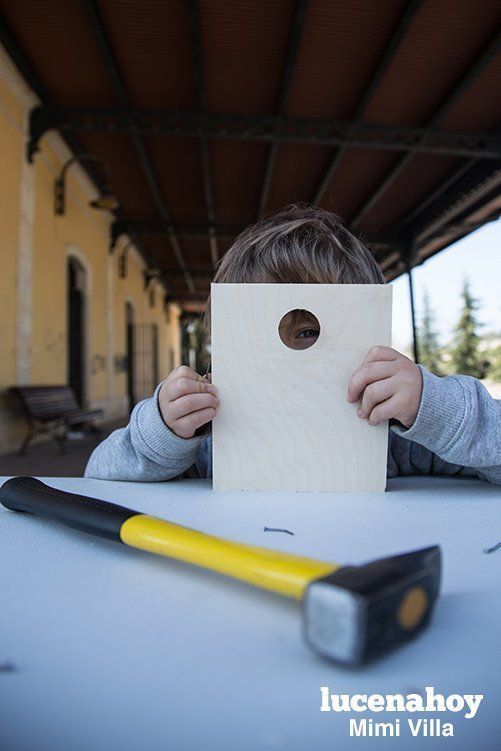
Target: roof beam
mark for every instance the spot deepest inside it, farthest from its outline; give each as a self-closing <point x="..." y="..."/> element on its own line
<point x="198" y="71"/>
<point x="410" y="139"/>
<point x="104" y="45"/>
<point x="390" y="50"/>
<point x="26" y="69"/>
<point x="205" y="273"/>
<point x="457" y="91"/>
<point x="480" y="186"/>
<point x="192" y="230"/>
<point x="285" y="85"/>
<point x="455" y="213"/>
<point x="435" y="195"/>
<point x="200" y="230"/>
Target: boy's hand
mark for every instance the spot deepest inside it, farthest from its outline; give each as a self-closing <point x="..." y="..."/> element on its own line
<point x="187" y="401"/>
<point x="389" y="385"/>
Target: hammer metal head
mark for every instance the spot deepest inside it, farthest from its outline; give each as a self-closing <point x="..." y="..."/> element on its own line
<point x="359" y="613"/>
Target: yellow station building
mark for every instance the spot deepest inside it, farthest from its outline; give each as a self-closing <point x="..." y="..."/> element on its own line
<point x="68" y="313"/>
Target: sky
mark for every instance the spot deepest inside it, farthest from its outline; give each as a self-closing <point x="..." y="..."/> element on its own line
<point x="477" y="257"/>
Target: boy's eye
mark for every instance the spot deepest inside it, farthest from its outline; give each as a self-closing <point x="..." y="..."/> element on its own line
<point x="307" y="334"/>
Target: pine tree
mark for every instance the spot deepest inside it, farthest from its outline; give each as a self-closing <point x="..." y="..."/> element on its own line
<point x="495" y="365"/>
<point x="429" y="347"/>
<point x="466" y="357"/>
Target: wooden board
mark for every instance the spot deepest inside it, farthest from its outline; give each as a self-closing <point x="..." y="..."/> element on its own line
<point x="284" y="422"/>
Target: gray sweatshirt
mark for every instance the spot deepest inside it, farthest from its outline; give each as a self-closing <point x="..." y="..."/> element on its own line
<point x="457" y="431"/>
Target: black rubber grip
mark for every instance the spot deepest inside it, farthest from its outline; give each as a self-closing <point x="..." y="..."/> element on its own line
<point x="78" y="511"/>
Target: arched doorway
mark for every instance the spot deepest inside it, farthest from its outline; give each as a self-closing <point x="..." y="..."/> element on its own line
<point x="76" y="327"/>
<point x="129" y="353"/>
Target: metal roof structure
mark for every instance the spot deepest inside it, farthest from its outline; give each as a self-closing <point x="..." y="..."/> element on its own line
<point x="210" y="114"/>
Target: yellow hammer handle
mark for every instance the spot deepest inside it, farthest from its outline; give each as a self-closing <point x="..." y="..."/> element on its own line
<point x="284" y="573"/>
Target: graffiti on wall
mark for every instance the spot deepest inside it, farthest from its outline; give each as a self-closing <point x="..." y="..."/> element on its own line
<point x="120" y="364"/>
<point x="97" y="364"/>
<point x="53" y="341"/>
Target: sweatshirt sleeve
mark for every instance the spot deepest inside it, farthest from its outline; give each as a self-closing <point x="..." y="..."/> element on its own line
<point x="144" y="451"/>
<point x="457" y="431"/>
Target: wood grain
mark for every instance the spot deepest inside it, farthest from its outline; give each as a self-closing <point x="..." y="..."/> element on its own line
<point x="284" y="422"/>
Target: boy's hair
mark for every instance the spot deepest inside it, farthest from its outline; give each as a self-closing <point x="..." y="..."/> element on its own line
<point x="300" y="244"/>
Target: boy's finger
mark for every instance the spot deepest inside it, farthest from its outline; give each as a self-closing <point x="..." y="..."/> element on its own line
<point x="183" y="371"/>
<point x="381" y="353"/>
<point x="195" y="420"/>
<point x="374" y="394"/>
<point x="185" y="405"/>
<point x="374" y="371"/>
<point x="197" y="378"/>
<point x="183" y="386"/>
<point x="384" y="411"/>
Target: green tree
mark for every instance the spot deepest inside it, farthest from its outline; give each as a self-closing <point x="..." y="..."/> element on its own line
<point x="466" y="356"/>
<point x="429" y="348"/>
<point x="495" y="366"/>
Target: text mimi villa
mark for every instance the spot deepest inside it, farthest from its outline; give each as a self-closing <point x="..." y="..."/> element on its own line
<point x="467" y="704"/>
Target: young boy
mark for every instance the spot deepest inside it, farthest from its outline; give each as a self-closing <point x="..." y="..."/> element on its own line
<point x="449" y="426"/>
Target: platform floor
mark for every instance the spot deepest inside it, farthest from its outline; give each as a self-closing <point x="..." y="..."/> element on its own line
<point x="44" y="459"/>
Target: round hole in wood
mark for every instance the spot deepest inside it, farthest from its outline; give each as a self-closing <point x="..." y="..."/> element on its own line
<point x="299" y="329"/>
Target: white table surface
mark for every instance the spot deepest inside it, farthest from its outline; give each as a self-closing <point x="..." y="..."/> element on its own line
<point x="114" y="648"/>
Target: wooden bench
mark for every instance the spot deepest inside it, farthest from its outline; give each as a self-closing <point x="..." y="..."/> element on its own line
<point x="53" y="410"/>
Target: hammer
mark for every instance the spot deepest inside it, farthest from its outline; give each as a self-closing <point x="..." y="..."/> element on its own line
<point x="351" y="614"/>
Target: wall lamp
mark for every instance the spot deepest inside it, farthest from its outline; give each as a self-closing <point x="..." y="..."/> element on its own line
<point x="106" y="199"/>
<point x="168" y="300"/>
<point x="152" y="297"/>
<point x="148" y="276"/>
<point x="122" y="260"/>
